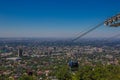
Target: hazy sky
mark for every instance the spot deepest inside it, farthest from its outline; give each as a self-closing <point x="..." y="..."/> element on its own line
<point x="56" y="18"/>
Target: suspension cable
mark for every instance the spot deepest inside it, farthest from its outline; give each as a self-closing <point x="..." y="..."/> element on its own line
<point x="90" y="30"/>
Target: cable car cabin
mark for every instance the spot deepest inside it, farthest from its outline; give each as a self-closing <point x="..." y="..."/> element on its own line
<point x="115" y="25"/>
<point x="113" y="21"/>
<point x="73" y="65"/>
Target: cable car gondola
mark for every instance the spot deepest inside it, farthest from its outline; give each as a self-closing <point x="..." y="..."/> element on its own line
<point x="73" y="65"/>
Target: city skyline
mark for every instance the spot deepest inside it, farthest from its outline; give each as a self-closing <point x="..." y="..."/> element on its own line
<point x="56" y="18"/>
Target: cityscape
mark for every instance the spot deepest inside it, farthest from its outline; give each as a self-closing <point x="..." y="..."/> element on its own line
<point x="43" y="59"/>
<point x="59" y="40"/>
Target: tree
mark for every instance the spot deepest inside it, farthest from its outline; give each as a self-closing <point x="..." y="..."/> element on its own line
<point x="63" y="73"/>
<point x="26" y="77"/>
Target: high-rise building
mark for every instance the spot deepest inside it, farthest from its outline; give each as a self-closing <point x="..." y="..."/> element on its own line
<point x="20" y="52"/>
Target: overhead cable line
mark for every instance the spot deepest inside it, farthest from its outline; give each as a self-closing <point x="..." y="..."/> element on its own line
<point x="112" y="22"/>
<point x="90" y="30"/>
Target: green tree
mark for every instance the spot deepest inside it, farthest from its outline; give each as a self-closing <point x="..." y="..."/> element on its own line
<point x="26" y="77"/>
<point x="63" y="73"/>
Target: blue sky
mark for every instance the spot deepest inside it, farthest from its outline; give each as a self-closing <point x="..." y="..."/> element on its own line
<point x="56" y="18"/>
